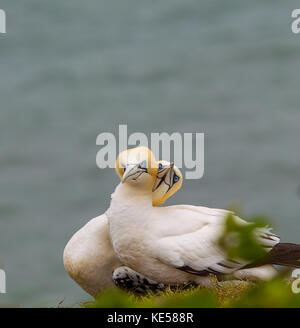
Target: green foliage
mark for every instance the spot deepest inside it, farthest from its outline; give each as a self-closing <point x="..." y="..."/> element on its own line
<point x="170" y="298"/>
<point x="275" y="293"/>
<point x="239" y="240"/>
<point x="112" y="298"/>
<point x="193" y="298"/>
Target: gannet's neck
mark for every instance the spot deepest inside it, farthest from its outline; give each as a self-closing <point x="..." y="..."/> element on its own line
<point x="130" y="211"/>
<point x="129" y="203"/>
<point x="128" y="194"/>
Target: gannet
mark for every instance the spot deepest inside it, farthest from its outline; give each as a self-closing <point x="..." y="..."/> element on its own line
<point x="177" y="244"/>
<point x="90" y="260"/>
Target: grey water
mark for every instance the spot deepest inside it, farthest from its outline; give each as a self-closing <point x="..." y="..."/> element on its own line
<point x="70" y="70"/>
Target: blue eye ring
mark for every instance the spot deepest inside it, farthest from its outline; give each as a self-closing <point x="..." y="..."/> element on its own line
<point x="175" y="178"/>
<point x="160" y="166"/>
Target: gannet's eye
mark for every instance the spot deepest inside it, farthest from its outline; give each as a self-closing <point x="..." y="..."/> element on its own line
<point x="175" y="178"/>
<point x="160" y="166"/>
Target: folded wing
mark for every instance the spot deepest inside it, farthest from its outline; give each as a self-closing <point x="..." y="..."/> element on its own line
<point x="198" y="251"/>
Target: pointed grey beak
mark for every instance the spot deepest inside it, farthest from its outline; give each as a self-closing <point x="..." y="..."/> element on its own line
<point x="130" y="173"/>
<point x="133" y="171"/>
<point x="165" y="175"/>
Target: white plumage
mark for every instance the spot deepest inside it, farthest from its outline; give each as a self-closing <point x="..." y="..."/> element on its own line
<point x="90" y="260"/>
<point x="173" y="244"/>
<point x="166" y="244"/>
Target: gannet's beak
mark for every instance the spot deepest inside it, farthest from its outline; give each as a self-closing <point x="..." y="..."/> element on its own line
<point x="133" y="171"/>
<point x="165" y="175"/>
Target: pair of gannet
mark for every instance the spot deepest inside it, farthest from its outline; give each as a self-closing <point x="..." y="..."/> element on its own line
<point x="177" y="244"/>
<point x="171" y="245"/>
<point x="89" y="258"/>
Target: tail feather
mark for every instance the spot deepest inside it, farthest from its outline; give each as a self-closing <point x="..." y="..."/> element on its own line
<point x="285" y="254"/>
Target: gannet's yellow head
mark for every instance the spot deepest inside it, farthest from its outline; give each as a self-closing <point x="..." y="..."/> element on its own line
<point x="168" y="181"/>
<point x="137" y="165"/>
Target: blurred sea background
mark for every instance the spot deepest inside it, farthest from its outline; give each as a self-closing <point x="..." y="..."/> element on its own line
<point x="70" y="70"/>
